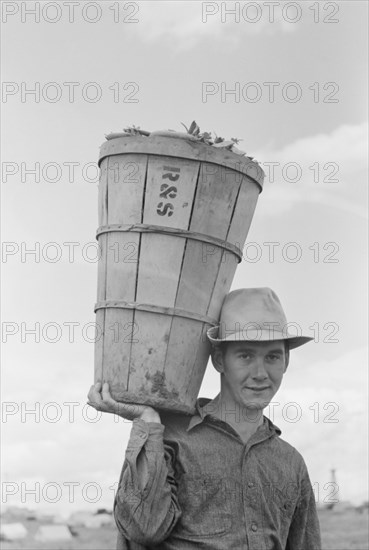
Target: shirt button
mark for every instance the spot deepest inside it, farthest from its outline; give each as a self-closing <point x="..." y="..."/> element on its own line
<point x="254" y="527"/>
<point x="250" y="484"/>
<point x="142" y="435"/>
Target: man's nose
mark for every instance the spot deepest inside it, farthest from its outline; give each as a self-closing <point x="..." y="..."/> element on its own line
<point x="259" y="372"/>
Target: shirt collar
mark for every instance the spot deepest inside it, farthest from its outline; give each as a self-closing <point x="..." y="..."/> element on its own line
<point x="200" y="415"/>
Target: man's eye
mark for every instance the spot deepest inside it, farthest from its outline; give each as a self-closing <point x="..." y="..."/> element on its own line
<point x="273" y="357"/>
<point x="245" y="355"/>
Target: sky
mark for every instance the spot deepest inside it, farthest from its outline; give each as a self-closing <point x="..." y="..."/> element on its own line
<point x="292" y="85"/>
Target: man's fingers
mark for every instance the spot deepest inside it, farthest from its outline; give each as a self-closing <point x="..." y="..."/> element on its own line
<point x="107" y="398"/>
<point x="94" y="393"/>
<point x="105" y="392"/>
<point x="90" y="392"/>
<point x="100" y="399"/>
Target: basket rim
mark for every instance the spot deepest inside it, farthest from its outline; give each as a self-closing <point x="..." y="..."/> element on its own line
<point x="183" y="149"/>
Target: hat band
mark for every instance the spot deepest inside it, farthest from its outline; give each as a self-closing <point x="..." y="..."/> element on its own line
<point x="252" y="334"/>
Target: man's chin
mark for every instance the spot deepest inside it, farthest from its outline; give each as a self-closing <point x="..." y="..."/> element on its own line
<point x="253" y="405"/>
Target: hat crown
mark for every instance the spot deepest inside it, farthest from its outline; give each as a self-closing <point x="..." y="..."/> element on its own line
<point x="245" y="307"/>
<point x="254" y="314"/>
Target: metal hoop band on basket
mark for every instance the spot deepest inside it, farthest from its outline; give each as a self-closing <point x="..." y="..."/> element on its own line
<point x="151" y="308"/>
<point x="173" y="231"/>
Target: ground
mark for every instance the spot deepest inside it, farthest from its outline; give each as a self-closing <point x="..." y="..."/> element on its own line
<point x="347" y="530"/>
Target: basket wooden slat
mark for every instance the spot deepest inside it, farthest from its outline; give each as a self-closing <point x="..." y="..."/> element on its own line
<point x="126" y="182"/>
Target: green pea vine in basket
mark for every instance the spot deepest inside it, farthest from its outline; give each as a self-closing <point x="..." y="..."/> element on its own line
<point x="217" y="141"/>
<point x="194" y="131"/>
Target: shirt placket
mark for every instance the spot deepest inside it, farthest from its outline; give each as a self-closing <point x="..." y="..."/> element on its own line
<point x="250" y="489"/>
<point x="250" y="482"/>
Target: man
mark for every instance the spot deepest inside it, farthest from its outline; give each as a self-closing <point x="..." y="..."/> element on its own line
<point x="223" y="478"/>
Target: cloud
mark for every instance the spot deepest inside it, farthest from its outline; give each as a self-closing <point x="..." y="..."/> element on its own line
<point x="185" y="24"/>
<point x="327" y="169"/>
<point x="329" y="400"/>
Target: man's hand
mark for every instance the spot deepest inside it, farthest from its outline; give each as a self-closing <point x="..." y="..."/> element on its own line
<point x="100" y="398"/>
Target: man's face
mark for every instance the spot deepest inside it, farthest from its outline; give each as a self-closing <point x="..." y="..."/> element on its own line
<point x="252" y="371"/>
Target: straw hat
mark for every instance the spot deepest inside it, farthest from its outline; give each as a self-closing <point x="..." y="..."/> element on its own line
<point x="254" y="315"/>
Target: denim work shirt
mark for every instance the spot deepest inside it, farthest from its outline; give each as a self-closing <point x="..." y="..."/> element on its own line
<point x="191" y="482"/>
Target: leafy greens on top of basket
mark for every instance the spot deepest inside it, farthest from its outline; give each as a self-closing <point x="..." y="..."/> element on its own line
<point x="194" y="132"/>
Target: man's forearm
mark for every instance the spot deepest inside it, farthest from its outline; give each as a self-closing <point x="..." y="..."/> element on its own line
<point x="146" y="506"/>
<point x="142" y="462"/>
<point x="151" y="415"/>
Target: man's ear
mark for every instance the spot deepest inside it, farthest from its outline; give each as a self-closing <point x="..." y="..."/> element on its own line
<point x="287" y="355"/>
<point x="217" y="359"/>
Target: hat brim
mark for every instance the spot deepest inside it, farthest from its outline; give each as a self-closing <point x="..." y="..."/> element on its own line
<point x="260" y="336"/>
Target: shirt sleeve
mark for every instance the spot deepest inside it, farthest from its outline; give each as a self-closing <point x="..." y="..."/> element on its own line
<point x="304" y="533"/>
<point x="146" y="506"/>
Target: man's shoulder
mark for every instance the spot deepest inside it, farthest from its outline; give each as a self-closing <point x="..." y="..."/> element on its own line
<point x="175" y="423"/>
<point x="289" y="452"/>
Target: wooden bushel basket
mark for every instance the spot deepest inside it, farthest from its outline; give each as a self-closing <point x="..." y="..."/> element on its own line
<point x="174" y="216"/>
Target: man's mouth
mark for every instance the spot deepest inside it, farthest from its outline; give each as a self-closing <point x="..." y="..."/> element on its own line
<point x="256" y="388"/>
